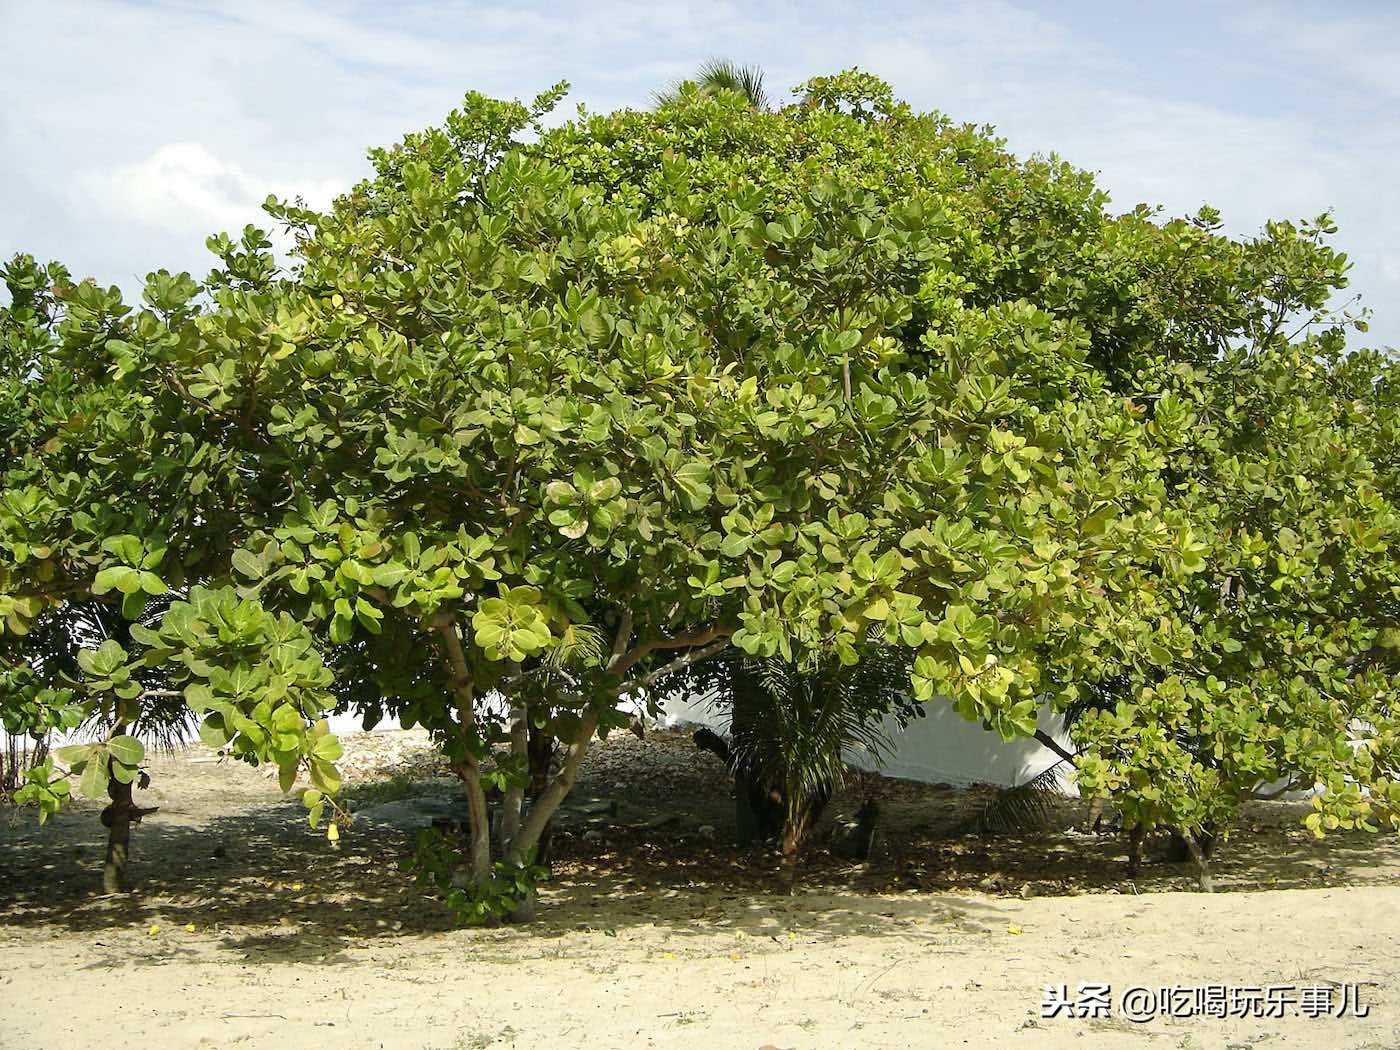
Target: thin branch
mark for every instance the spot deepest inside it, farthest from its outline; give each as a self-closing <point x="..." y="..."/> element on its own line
<point x="1049" y="741"/>
<point x="685" y="641"/>
<point x="679" y="663"/>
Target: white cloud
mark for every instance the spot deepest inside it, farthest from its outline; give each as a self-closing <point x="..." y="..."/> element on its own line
<point x="183" y="187"/>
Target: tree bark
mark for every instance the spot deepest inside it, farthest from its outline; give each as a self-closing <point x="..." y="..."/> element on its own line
<point x="480" y="844"/>
<point x="469" y="769"/>
<point x="118" y="836"/>
<point x="544" y="807"/>
<point x="795" y="830"/>
<point x="1203" y="878"/>
<point x="513" y="803"/>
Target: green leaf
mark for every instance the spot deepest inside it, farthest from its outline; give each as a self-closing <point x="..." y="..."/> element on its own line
<point x="213" y="733"/>
<point x="605" y="490"/>
<point x="93" y="783"/>
<point x="248" y="564"/>
<point x="122" y="578"/>
<point x="327" y="748"/>
<point x="692" y="479"/>
<point x="126" y="749"/>
<point x="73" y="754"/>
<point x="324" y="776"/>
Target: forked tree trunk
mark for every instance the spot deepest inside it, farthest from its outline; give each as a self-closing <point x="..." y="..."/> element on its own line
<point x="117" y="817"/>
<point x="556" y="790"/>
<point x="519" y="846"/>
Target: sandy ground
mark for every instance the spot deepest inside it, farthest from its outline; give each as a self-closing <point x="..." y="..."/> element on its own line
<point x="247" y="930"/>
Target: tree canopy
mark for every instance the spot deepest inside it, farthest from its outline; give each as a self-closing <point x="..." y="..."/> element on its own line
<point x="582" y="406"/>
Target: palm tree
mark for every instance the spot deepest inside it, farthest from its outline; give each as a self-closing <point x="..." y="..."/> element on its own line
<point x="718" y="75"/>
<point x="790" y="728"/>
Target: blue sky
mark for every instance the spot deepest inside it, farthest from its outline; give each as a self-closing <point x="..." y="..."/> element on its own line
<point x="129" y="131"/>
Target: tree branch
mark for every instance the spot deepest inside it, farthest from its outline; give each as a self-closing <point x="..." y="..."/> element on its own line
<point x="624" y="664"/>
<point x="1046" y="740"/>
<point x="679" y="663"/>
<point x="623" y="639"/>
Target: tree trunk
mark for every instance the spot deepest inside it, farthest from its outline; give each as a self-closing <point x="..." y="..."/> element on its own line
<point x="545" y="798"/>
<point x="118" y="821"/>
<point x="480" y="820"/>
<point x="794" y="831"/>
<point x="540" y="746"/>
<point x="525" y="910"/>
<point x="469" y="769"/>
<point x="513" y="804"/>
<point x="1203" y="879"/>
<point x="557" y="790"/>
<point x="754" y="808"/>
<point x="545" y="806"/>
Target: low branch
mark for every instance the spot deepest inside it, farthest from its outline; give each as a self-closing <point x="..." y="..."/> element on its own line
<point x="624" y="664"/>
<point x="1046" y="740"/>
<point x="679" y="663"/>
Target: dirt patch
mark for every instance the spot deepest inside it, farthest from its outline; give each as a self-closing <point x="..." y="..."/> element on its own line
<point x="657" y="932"/>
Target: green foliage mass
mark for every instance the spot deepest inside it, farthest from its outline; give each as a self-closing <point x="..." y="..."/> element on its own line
<point x="798" y="381"/>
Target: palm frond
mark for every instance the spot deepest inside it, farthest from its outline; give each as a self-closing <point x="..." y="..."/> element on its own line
<point x="717" y="75"/>
<point x="52" y="646"/>
<point x="722" y="75"/>
<point x="1024" y="807"/>
<point x="799" y="722"/>
<point x="579" y="644"/>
